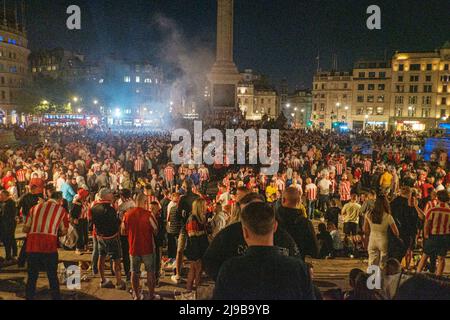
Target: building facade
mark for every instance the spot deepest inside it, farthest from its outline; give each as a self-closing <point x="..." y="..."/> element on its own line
<point x="331" y="99"/>
<point x="420" y="89"/>
<point x="62" y="64"/>
<point x="298" y="108"/>
<point x="371" y="95"/>
<point x="256" y="98"/>
<point x="14" y="53"/>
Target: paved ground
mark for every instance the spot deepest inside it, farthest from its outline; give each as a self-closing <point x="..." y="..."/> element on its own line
<point x="328" y="274"/>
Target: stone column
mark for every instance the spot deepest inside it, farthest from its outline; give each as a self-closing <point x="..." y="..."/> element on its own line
<point x="225" y="30"/>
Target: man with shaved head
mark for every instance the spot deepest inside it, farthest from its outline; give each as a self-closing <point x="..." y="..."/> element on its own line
<point x="230" y="241"/>
<point x="296" y="224"/>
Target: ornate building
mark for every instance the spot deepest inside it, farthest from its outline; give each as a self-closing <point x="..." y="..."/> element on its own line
<point x="420" y="89"/>
<point x="14" y="73"/>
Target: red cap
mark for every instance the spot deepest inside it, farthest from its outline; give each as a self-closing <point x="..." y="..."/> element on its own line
<point x="83" y="194"/>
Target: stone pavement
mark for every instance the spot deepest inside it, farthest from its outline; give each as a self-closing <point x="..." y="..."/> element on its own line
<point x="328" y="274"/>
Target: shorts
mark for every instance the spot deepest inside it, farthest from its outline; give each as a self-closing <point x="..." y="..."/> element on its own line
<point x="149" y="262"/>
<point x="182" y="238"/>
<point x="110" y="247"/>
<point x="437" y="245"/>
<point x="350" y="228"/>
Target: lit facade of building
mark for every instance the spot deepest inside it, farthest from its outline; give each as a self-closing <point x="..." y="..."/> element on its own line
<point x="256" y="98"/>
<point x="420" y="89"/>
<point x="298" y="107"/>
<point x="62" y="64"/>
<point x="137" y="91"/>
<point x="371" y="95"/>
<point x="331" y="98"/>
<point x="14" y="53"/>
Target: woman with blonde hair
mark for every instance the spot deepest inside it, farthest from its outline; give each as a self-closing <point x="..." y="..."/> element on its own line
<point x="197" y="242"/>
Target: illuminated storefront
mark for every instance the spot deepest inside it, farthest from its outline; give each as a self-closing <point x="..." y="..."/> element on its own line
<point x="410" y="126"/>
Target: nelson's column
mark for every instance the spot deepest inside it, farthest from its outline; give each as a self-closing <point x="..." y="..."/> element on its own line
<point x="224" y="75"/>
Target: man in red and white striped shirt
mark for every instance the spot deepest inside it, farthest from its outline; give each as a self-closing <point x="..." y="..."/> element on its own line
<point x="21" y="180"/>
<point x="437" y="233"/>
<point x="169" y="176"/>
<point x="367" y="168"/>
<point x="45" y="222"/>
<point x="311" y="197"/>
<point x="138" y="168"/>
<point x="345" y="190"/>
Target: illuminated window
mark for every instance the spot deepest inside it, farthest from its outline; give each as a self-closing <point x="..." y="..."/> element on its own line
<point x="34" y="70"/>
<point x="370" y="98"/>
<point x="380" y="111"/>
<point x="138" y="79"/>
<point x="147" y="80"/>
<point x="426" y="112"/>
<point x="127" y="79"/>
<point x="398" y="111"/>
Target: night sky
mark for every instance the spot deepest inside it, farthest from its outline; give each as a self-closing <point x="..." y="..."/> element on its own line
<point x="280" y="38"/>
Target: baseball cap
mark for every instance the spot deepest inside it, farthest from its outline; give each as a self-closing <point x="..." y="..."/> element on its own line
<point x="83" y="194"/>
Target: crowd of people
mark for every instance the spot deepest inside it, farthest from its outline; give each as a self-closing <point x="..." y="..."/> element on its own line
<point x="119" y="195"/>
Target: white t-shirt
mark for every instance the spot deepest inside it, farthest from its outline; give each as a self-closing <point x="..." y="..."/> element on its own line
<point x="324" y="186"/>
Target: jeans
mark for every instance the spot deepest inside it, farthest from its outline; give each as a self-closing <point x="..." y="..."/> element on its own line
<point x="311" y="208"/>
<point x="95" y="255"/>
<point x="378" y="250"/>
<point x="47" y="262"/>
<point x="83" y="233"/>
<point x="324" y="202"/>
<point x="125" y="255"/>
<point x="9" y="241"/>
<point x="172" y="245"/>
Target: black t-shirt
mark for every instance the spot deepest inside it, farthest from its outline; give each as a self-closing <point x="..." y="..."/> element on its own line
<point x="332" y="215"/>
<point x="230" y="243"/>
<point x="26" y="202"/>
<point x="263" y="273"/>
<point x="105" y="220"/>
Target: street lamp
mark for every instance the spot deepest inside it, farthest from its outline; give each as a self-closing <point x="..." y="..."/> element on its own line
<point x="95" y="102"/>
<point x="75" y="99"/>
<point x="288" y="105"/>
<point x="79" y="110"/>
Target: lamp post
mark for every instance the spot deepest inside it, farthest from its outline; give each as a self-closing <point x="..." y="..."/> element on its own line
<point x="338" y="104"/>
